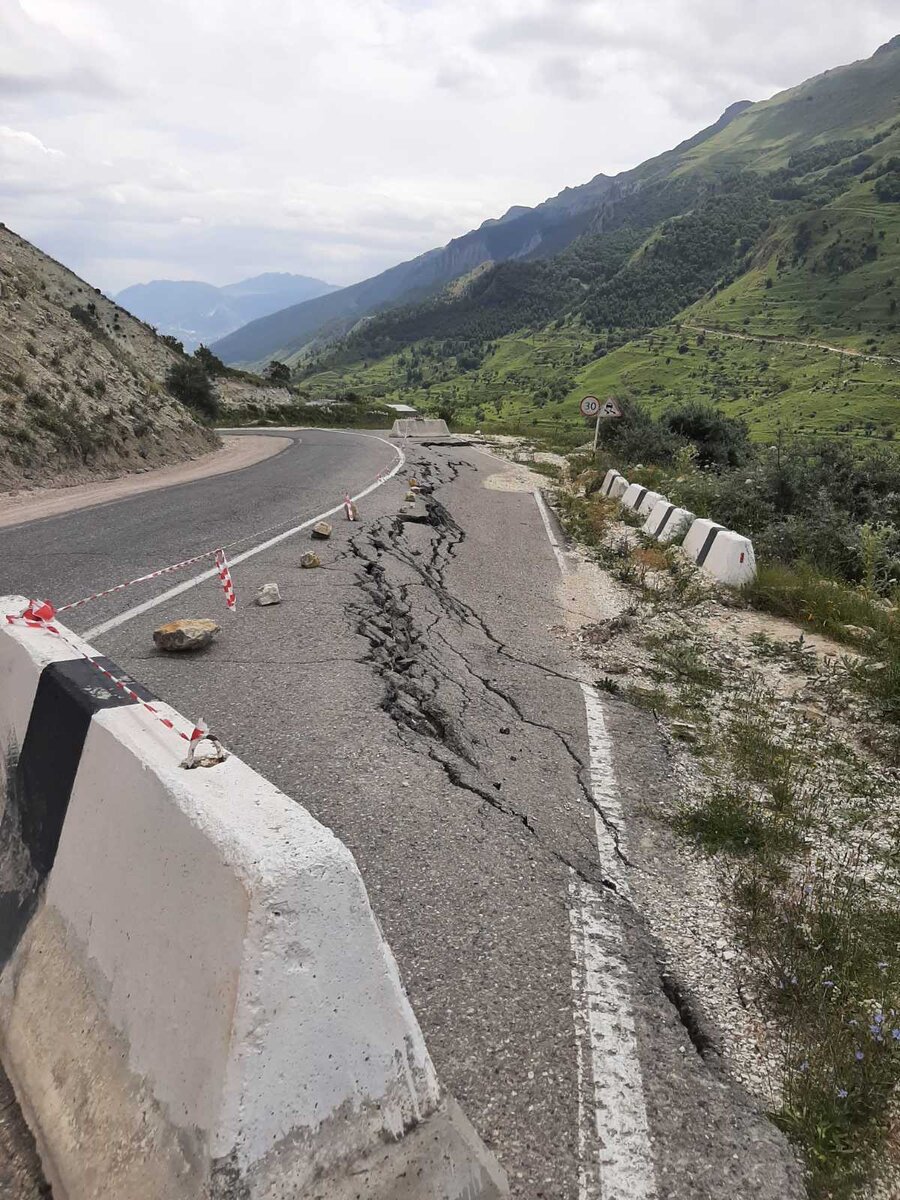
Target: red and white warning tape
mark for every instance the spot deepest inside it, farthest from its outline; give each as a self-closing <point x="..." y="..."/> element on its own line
<point x="38" y="615"/>
<point x="225" y="578"/>
<point x="187" y="562"/>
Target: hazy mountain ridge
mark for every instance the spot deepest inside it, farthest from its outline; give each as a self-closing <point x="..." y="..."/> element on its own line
<point x="197" y="312"/>
<point x="521" y="232"/>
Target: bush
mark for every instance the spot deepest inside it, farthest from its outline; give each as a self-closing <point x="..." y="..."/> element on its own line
<point x="189" y="383"/>
<point x="721" y="441"/>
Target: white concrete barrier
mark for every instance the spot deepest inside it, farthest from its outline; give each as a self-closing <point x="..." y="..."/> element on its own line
<point x="608" y="478"/>
<point x="196" y="1001"/>
<point x="731" y="559"/>
<point x="631" y="494"/>
<point x="700" y="537"/>
<point x="667" y="522"/>
<point x="617" y="488"/>
<point x="635" y="497"/>
<point x="418" y="427"/>
<point x="648" y="500"/>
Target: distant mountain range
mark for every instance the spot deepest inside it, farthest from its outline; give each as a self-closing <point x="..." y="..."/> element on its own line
<point x="196" y="312"/>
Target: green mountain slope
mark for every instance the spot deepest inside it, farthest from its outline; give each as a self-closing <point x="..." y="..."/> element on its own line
<point x="521" y="233"/>
<point x="782" y="224"/>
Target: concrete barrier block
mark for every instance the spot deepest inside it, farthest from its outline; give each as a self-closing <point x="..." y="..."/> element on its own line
<point x="667" y="522"/>
<point x="607" y="481"/>
<point x="700" y="538"/>
<point x="648" y="500"/>
<point x="633" y="495"/>
<point x="419" y="427"/>
<point x="617" y="488"/>
<point x="731" y="559"/>
<point x="196" y="1001"/>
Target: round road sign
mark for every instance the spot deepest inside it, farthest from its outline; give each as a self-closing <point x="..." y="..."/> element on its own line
<point x="590" y="406"/>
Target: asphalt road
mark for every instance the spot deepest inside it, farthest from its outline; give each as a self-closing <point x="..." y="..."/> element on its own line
<point x="414" y="696"/>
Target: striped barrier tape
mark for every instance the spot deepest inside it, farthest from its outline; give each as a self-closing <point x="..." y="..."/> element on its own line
<point x="40" y="617"/>
<point x="187" y="562"/>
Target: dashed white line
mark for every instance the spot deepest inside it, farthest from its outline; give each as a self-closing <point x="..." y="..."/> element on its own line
<point x="614" y="1148"/>
<point x="155" y="601"/>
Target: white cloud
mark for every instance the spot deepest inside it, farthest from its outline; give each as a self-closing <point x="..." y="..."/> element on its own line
<point x="213" y="139"/>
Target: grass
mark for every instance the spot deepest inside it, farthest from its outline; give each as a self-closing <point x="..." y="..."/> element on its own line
<point x="823" y="931"/>
<point x="846" y="614"/>
<point x="733" y="821"/>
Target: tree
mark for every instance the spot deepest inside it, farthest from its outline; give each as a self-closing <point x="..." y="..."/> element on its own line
<point x="209" y="361"/>
<point x="188" y="382"/>
<point x="277" y="373"/>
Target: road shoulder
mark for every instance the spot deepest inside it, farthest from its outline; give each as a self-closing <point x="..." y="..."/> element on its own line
<point x="237" y="453"/>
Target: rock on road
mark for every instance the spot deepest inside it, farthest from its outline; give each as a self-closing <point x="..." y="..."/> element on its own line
<point x="413" y="695"/>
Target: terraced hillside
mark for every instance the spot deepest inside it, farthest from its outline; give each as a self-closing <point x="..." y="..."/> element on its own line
<point x="781" y="225"/>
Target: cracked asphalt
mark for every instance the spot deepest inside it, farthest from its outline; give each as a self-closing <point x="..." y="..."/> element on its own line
<point x="414" y="696"/>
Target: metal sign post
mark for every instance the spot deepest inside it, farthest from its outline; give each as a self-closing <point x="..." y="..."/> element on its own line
<point x="591" y="407"/>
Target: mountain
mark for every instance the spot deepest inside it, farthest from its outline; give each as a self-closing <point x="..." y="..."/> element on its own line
<point x="521" y="233"/>
<point x="778" y="224"/>
<point x="84" y="385"/>
<point x="196" y="313"/>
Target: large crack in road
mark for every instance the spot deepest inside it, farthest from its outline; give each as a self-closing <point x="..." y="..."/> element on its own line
<point x="428" y="688"/>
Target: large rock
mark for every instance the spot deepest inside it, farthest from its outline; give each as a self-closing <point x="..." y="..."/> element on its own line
<point x="191" y="634"/>
<point x="268" y="594"/>
<point x="310" y="560"/>
<point x="321" y="530"/>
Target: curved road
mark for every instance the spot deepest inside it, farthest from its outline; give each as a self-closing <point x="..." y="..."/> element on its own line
<point x="419" y="695"/>
<point x="73" y="555"/>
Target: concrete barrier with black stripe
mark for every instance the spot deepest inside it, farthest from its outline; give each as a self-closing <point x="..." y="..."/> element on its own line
<point x="196" y="1000"/>
<point x="667" y="522"/>
<point x="727" y="556"/>
<point x="640" y="499"/>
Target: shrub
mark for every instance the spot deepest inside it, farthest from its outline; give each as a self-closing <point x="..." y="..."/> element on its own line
<point x="721" y="441"/>
<point x="189" y="383"/>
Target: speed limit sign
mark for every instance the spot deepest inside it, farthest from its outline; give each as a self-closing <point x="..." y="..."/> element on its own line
<point x="590" y="406"/>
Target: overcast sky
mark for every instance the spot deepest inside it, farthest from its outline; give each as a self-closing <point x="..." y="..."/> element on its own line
<point x="215" y="139"/>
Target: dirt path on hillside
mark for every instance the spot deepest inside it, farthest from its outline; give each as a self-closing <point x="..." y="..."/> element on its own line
<point x="236" y="453"/>
<point x="777" y="341"/>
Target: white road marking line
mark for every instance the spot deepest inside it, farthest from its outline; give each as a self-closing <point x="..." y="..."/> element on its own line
<point x="605" y="793"/>
<point x="624" y="1159"/>
<point x="615" y="1156"/>
<point x="212" y="573"/>
<point x="551" y="536"/>
<point x="625" y="1155"/>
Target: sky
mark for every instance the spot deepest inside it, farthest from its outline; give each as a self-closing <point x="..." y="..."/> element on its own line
<point x="217" y="139"/>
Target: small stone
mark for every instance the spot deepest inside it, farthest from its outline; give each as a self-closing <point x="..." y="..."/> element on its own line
<point x="321" y="530"/>
<point x="684" y="732"/>
<point x="268" y="594"/>
<point x="730" y="955"/>
<point x="310" y="560"/>
<point x="190" y="634"/>
<point x="615" y="666"/>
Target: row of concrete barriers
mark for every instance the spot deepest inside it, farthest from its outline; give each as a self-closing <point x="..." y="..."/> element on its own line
<point x="727" y="556"/>
<point x="196" y="1000"/>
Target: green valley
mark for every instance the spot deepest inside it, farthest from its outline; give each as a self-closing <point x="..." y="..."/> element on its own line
<point x="779" y="225"/>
